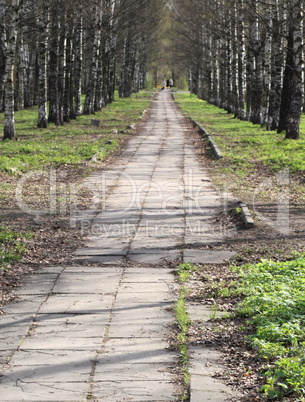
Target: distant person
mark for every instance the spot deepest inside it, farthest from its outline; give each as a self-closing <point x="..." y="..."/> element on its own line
<point x="167" y="83"/>
<point x="171" y="83"/>
<point x="163" y="84"/>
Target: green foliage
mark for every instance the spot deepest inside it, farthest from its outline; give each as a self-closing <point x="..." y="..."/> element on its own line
<point x="185" y="270"/>
<point x="182" y="319"/>
<point x="72" y="143"/>
<point x="274" y="304"/>
<point x="243" y="143"/>
<point x="11" y="245"/>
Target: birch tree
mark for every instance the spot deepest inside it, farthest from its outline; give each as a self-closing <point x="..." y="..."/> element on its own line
<point x="89" y="106"/>
<point x="292" y="93"/>
<point x="11" y="23"/>
<point x="53" y="78"/>
<point x="78" y="58"/>
<point x="44" y="32"/>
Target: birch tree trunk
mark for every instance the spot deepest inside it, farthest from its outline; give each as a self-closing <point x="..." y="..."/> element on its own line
<point x="241" y="60"/>
<point x="62" y="63"/>
<point x="78" y="62"/>
<point x="20" y="73"/>
<point x="235" y="70"/>
<point x="91" y="89"/>
<point x="44" y="32"/>
<point x="267" y="52"/>
<point x="3" y="43"/>
<point x="276" y="70"/>
<point x="54" y="105"/>
<point x="255" y="66"/>
<point x="293" y="80"/>
<point x="68" y="108"/>
<point x="10" y="53"/>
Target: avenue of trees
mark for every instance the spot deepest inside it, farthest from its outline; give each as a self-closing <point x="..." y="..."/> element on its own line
<point x="53" y="51"/>
<point x="245" y="56"/>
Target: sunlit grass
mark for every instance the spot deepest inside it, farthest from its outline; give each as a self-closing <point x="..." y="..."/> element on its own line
<point x="274" y="306"/>
<point x="243" y="143"/>
<point x="71" y="143"/>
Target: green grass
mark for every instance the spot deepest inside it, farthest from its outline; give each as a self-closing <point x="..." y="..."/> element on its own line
<point x="274" y="304"/>
<point x="242" y="143"/>
<point x="12" y="246"/>
<point x="183" y="321"/>
<point x="72" y="143"/>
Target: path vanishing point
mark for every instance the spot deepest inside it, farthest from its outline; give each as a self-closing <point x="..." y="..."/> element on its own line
<point x="99" y="331"/>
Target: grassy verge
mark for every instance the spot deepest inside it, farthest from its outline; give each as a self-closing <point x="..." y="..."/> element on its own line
<point x="244" y="143"/>
<point x="72" y="143"/>
<point x="252" y="155"/>
<point x="66" y="154"/>
<point x="274" y="305"/>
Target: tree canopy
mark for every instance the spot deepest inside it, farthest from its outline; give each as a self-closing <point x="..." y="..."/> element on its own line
<point x="245" y="56"/>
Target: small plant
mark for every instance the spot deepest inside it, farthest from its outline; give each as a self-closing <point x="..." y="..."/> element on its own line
<point x="185" y="270"/>
<point x="12" y="246"/>
<point x="238" y="211"/>
<point x="214" y="312"/>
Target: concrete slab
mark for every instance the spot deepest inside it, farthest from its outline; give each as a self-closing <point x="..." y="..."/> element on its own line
<point x="154" y="258"/>
<point x="140" y="350"/>
<point x="26" y="305"/>
<point x="206" y="256"/>
<point x="144" y="287"/>
<point x="139" y="313"/>
<point x="148" y="277"/>
<point x="49" y="270"/>
<point x="10" y="343"/>
<point x="144" y="328"/>
<point x="84" y="270"/>
<point x="31" y="391"/>
<point x="204" y="389"/>
<point x="198" y="312"/>
<point x="113" y="371"/>
<point x="43" y="365"/>
<point x="40" y="276"/>
<point x="74" y="326"/>
<point x="77" y="305"/>
<point x="5" y="356"/>
<point x="73" y="342"/>
<point x="86" y="284"/>
<point x="137" y="391"/>
<point x="152" y="242"/>
<point x="105" y="260"/>
<point x="204" y="363"/>
<point x="144" y="298"/>
<point x="94" y="251"/>
<point x="9" y="324"/>
<point x="42" y="287"/>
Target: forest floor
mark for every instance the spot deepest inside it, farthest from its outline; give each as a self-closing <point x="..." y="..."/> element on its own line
<point x="51" y="241"/>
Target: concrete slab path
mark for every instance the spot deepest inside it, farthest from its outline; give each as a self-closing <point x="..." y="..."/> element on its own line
<point x="100" y="332"/>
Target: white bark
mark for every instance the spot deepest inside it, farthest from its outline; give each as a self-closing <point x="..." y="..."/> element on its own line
<point x="44" y="32"/>
<point x="10" y="53"/>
